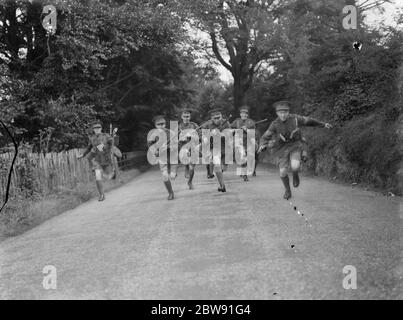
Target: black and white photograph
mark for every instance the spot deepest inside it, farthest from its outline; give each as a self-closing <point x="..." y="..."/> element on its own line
<point x="205" y="153"/>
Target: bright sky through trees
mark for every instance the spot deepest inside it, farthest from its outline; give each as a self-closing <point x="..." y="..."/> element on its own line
<point x="374" y="18"/>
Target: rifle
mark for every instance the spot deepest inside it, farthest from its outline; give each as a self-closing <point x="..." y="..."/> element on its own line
<point x="261" y="121"/>
<point x="198" y="128"/>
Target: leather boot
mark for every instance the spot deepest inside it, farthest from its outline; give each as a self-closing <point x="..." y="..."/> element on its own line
<point x="295" y="179"/>
<point x="191" y="175"/>
<point x="168" y="185"/>
<point x="286" y="182"/>
<point x="100" y="188"/>
<point x="210" y="174"/>
<point x="187" y="172"/>
<point x="220" y="178"/>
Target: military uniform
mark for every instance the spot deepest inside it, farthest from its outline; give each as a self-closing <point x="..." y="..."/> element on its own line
<point x="286" y="139"/>
<point x="247" y="124"/>
<point x="187" y="126"/>
<point x="189" y="168"/>
<point x="100" y="150"/>
<point x="217" y="129"/>
<point x="100" y="159"/>
<point x="168" y="170"/>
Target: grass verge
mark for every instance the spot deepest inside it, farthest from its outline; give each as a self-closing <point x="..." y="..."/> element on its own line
<point x="21" y="215"/>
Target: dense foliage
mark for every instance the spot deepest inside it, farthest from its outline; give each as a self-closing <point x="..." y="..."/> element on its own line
<point x="107" y="59"/>
<point x="124" y="61"/>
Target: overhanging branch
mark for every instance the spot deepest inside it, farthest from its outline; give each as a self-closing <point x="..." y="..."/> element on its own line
<point x="217" y="52"/>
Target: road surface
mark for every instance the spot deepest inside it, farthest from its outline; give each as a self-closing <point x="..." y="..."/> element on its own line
<point x="248" y="243"/>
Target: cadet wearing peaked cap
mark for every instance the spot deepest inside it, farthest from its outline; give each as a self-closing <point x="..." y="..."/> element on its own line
<point x="288" y="142"/>
<point x="97" y="124"/>
<point x="212" y="113"/>
<point x="187" y="130"/>
<point x="168" y="169"/>
<point x="245" y="124"/>
<point x="100" y="156"/>
<point x="187" y="111"/>
<point x="282" y="105"/>
<point x="217" y="125"/>
<point x="158" y="118"/>
<point x="215" y="111"/>
<point x="244" y="109"/>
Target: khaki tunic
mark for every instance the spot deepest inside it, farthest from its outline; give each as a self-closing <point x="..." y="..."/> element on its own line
<point x="100" y="159"/>
<point x="287" y="137"/>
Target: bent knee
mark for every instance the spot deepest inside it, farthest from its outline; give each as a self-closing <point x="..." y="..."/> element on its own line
<point x="295" y="165"/>
<point x="165" y="176"/>
<point x="98" y="175"/>
<point x="283" y="172"/>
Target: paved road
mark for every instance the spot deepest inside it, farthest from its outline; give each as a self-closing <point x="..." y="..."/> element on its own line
<point x="209" y="245"/>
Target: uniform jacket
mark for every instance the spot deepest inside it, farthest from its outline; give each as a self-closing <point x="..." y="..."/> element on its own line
<point x="288" y="132"/>
<point x="239" y="124"/>
<point x="222" y="125"/>
<point x="247" y="124"/>
<point x="103" y="157"/>
<point x="169" y="146"/>
<point x="215" y="129"/>
<point x="183" y="126"/>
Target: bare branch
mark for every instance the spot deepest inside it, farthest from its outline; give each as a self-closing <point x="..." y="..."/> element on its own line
<point x="217" y="52"/>
<point x="367" y="6"/>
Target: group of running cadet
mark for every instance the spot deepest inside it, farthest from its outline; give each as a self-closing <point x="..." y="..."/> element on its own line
<point x="283" y="136"/>
<point x="245" y="123"/>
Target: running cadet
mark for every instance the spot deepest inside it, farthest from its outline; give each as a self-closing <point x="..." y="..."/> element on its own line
<point x="285" y="137"/>
<point x="216" y="125"/>
<point x="185" y="138"/>
<point x="243" y="123"/>
<point x="100" y="158"/>
<point x="168" y="170"/>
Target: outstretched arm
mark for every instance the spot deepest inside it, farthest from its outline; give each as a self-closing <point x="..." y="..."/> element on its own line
<point x="267" y="136"/>
<point x="311" y="122"/>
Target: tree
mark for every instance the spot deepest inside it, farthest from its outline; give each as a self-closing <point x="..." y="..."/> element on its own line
<point x="247" y="32"/>
<point x="108" y="59"/>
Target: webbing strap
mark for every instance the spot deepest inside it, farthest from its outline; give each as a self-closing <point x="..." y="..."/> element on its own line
<point x="296" y="128"/>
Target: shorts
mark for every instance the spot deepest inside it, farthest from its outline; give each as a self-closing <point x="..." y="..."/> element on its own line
<point x="167" y="168"/>
<point x="288" y="151"/>
<point x="218" y="163"/>
<point x="101" y="166"/>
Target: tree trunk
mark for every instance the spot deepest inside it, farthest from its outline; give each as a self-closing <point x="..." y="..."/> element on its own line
<point x="239" y="92"/>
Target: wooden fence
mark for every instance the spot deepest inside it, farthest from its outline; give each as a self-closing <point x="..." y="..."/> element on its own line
<point x="48" y="172"/>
